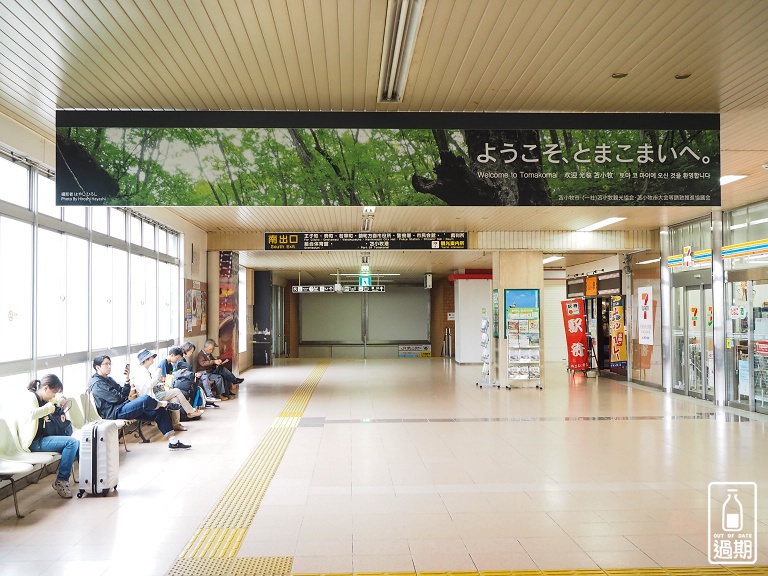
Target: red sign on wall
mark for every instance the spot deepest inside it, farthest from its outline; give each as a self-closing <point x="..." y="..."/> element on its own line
<point x="575" y="334"/>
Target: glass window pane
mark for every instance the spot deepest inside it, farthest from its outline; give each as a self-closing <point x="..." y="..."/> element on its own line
<point x="51" y="291"/>
<point x="75" y="215"/>
<point x="165" y="330"/>
<point x="737" y="228"/>
<point x="101" y="301"/>
<point x="46" y="197"/>
<point x="162" y="241"/>
<point x="16" y="289"/>
<point x="117" y="223"/>
<point x="14" y="382"/>
<point x="150" y="290"/>
<point x="138" y="317"/>
<point x="119" y="297"/>
<point x="174" y="301"/>
<point x="148" y="235"/>
<point x="77" y="294"/>
<point x="135" y="231"/>
<point x="100" y="219"/>
<point x="75" y="379"/>
<point x="173" y="245"/>
<point x="15" y="179"/>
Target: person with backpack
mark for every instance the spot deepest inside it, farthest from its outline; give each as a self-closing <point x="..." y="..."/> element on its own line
<point x="43" y="427"/>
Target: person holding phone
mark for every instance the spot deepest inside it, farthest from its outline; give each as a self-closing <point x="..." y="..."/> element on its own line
<point x="35" y="436"/>
<point x="114" y="402"/>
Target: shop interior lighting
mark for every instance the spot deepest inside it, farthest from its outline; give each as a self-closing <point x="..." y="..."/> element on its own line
<point x="371" y="274"/>
<point x="728" y="178"/>
<point x="650" y="261"/>
<point x="549" y="259"/>
<point x="751" y="223"/>
<point x="601" y="224"/>
<point x="400" y="31"/>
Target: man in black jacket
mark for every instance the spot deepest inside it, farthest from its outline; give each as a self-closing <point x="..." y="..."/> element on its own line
<point x="113" y="402"/>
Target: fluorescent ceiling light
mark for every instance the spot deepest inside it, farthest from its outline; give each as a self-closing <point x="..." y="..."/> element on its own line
<point x="728" y="178"/>
<point x="601" y="224"/>
<point x="650" y="261"/>
<point x="737" y="226"/>
<point x="400" y="30"/>
<point x="549" y="259"/>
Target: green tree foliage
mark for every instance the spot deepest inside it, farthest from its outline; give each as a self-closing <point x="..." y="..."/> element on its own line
<point x="349" y="167"/>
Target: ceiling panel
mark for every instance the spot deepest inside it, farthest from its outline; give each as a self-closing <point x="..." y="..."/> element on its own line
<point x="484" y="55"/>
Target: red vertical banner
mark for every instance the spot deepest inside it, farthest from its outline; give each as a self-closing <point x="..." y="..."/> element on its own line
<point x="229" y="266"/>
<point x="575" y="334"/>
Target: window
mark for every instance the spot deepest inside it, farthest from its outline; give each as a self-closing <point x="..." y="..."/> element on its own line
<point x="100" y="219"/>
<point x="46" y="197"/>
<point x="75" y="215"/>
<point x="15" y="179"/>
<point x="117" y="224"/>
<point x="15" y="289"/>
<point x="135" y="230"/>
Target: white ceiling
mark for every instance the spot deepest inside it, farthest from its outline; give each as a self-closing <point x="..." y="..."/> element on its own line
<point x="470" y="55"/>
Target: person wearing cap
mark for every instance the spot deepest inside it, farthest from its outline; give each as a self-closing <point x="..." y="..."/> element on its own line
<point x="150" y="385"/>
<point x="112" y="402"/>
<point x="207" y="362"/>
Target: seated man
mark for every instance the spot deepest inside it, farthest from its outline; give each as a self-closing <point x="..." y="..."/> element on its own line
<point x="145" y="383"/>
<point x="188" y="351"/>
<point x="112" y="401"/>
<point x="207" y="362"/>
<point x="167" y="365"/>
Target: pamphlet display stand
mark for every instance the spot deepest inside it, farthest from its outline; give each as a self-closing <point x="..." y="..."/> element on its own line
<point x="485" y="345"/>
<point x="523" y="348"/>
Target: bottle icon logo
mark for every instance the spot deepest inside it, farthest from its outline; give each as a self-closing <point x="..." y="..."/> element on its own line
<point x="733" y="512"/>
<point x="732" y="519"/>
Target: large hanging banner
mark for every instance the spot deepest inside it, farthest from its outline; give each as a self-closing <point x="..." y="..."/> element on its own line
<point x="576" y="334"/>
<point x="429" y="159"/>
<point x="229" y="267"/>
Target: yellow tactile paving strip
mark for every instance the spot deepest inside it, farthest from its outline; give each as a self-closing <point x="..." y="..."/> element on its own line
<point x="212" y="551"/>
<point x="214" y="546"/>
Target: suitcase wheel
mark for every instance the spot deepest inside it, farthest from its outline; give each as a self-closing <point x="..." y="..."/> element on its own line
<point x="80" y="493"/>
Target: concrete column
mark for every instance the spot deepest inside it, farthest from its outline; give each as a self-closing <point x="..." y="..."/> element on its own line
<point x="515" y="269"/>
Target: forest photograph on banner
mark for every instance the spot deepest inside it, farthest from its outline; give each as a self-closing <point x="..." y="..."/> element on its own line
<point x="244" y="166"/>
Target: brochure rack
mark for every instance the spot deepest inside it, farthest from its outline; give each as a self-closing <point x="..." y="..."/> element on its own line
<point x="523" y="348"/>
<point x="485" y="345"/>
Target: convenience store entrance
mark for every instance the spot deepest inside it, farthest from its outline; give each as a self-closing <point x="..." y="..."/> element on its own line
<point x="693" y="343"/>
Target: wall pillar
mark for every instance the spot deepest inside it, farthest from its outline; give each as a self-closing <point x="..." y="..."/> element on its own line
<point x="515" y="269"/>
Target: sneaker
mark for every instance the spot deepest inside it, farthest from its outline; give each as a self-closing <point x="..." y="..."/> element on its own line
<point x="62" y="488"/>
<point x="239" y="380"/>
<point x="210" y="399"/>
<point x="173" y="406"/>
<point x="178" y="446"/>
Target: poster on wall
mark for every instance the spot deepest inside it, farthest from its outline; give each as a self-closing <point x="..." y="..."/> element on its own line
<point x="140" y="158"/>
<point x="229" y="266"/>
<point x="495" y="307"/>
<point x="645" y="315"/>
<point x="618" y="338"/>
<point x="195" y="308"/>
<point x="519" y="298"/>
<point x="575" y="325"/>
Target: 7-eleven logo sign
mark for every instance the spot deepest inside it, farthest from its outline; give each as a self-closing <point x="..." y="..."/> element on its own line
<point x="644" y="298"/>
<point x="694" y="316"/>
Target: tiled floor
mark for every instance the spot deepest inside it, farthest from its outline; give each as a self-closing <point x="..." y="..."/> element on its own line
<point x="406" y="465"/>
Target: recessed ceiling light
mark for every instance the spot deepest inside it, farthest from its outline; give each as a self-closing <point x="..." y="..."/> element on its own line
<point x="682" y="76"/>
<point x="549" y="259"/>
<point x="650" y="261"/>
<point x="601" y="224"/>
<point x="618" y="75"/>
<point x="728" y="178"/>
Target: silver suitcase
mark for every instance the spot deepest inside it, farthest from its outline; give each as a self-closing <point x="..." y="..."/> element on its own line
<point x="99" y="458"/>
